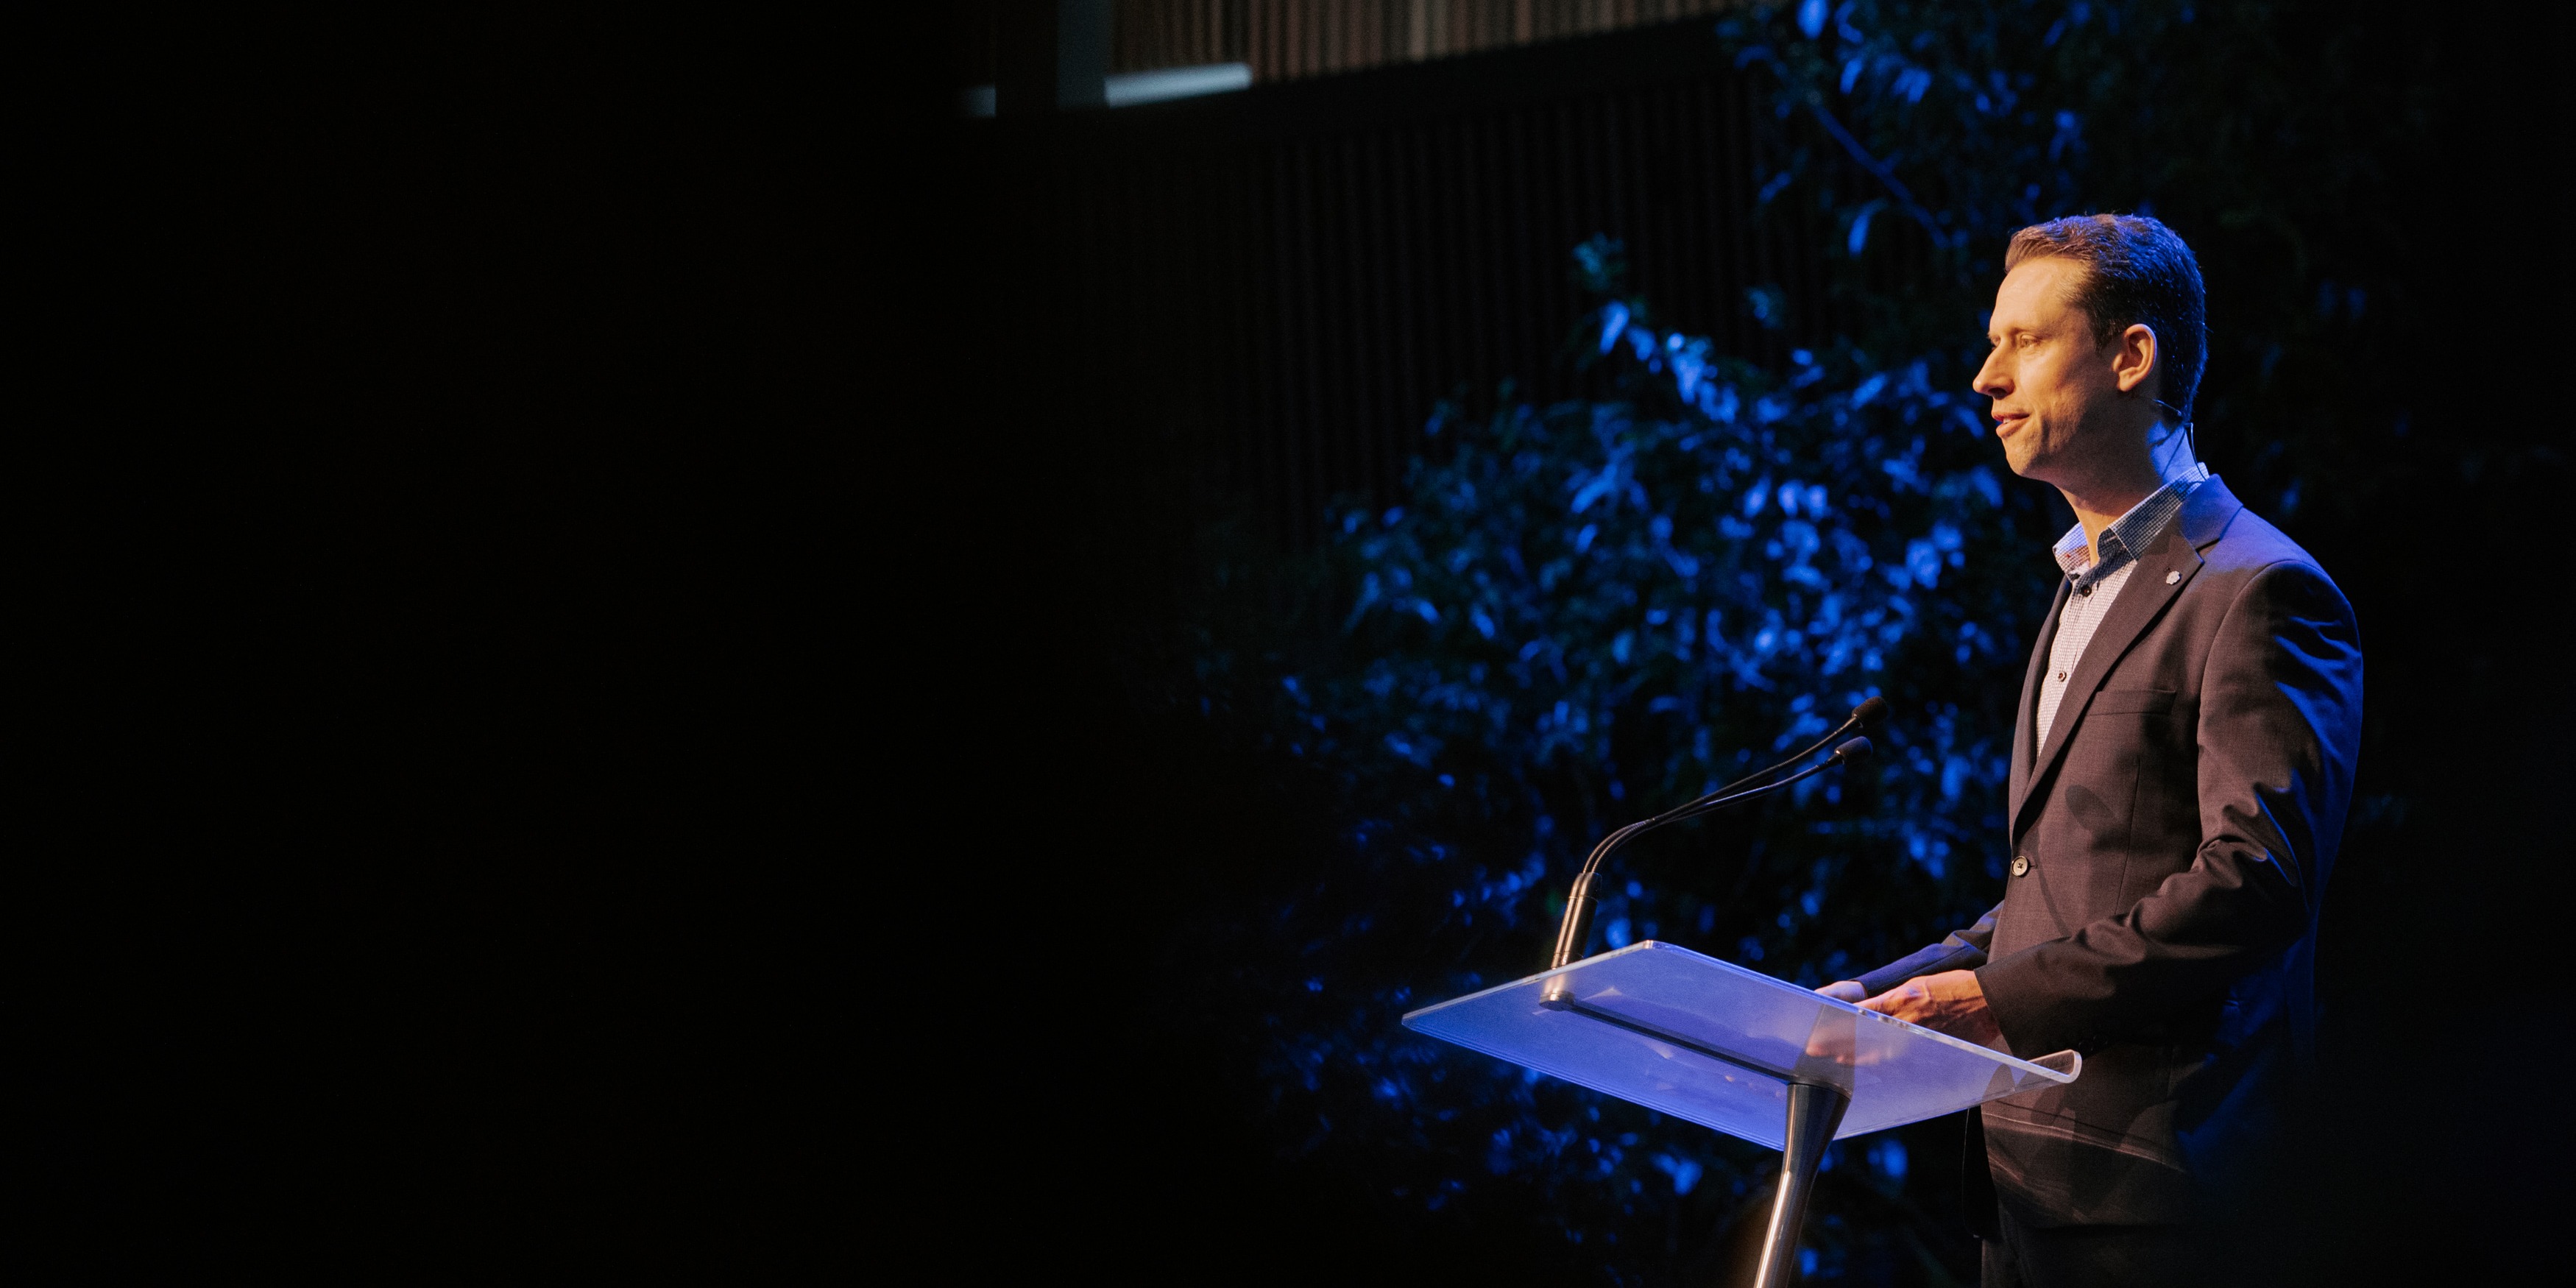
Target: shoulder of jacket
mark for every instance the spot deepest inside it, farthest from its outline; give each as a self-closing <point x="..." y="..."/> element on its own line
<point x="2251" y="545"/>
<point x="2254" y="559"/>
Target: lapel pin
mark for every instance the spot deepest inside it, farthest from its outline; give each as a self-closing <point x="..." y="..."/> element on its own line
<point x="2172" y="577"/>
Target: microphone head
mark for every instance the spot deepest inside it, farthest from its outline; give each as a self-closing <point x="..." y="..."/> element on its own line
<point x="1871" y="710"/>
<point x="1855" y="751"/>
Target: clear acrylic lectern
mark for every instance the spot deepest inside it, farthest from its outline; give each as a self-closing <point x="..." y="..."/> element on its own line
<point x="1725" y="1047"/>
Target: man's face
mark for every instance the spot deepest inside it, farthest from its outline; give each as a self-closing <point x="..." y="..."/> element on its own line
<point x="2053" y="386"/>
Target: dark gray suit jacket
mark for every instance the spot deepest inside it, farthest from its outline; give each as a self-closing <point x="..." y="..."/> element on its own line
<point x="2173" y="838"/>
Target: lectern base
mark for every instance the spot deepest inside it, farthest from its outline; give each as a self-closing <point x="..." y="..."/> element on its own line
<point x="1814" y="1113"/>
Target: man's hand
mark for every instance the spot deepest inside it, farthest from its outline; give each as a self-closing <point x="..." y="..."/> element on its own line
<point x="1845" y="990"/>
<point x="1950" y="1002"/>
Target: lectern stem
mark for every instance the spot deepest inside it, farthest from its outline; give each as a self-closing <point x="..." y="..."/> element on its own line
<point x="1815" y="1112"/>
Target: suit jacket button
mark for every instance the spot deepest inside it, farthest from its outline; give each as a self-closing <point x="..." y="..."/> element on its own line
<point x="2172" y="577"/>
<point x="2021" y="864"/>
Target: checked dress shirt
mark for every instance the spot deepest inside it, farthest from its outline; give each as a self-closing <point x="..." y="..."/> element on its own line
<point x="2097" y="584"/>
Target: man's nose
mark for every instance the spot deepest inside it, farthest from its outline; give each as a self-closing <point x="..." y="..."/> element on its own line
<point x="1990" y="381"/>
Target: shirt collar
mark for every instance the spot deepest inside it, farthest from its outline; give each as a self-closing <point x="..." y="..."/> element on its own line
<point x="2129" y="533"/>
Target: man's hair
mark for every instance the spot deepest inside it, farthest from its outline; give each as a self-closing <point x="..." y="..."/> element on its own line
<point x="2136" y="271"/>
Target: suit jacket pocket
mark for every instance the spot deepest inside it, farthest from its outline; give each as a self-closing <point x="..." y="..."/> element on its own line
<point x="2124" y="701"/>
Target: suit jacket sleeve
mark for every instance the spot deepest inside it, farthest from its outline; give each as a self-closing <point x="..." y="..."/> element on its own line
<point x="1959" y="950"/>
<point x="2280" y="716"/>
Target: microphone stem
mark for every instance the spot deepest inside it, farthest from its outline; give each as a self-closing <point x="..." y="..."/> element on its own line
<point x="1573" y="932"/>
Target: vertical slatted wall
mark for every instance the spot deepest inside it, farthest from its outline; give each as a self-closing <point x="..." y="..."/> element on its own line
<point x="1287" y="305"/>
<point x="1287" y="39"/>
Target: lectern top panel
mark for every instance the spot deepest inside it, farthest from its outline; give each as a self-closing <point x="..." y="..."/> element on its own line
<point x="1716" y="1044"/>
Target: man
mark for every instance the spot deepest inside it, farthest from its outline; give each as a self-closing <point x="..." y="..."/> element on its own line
<point x="2182" y="763"/>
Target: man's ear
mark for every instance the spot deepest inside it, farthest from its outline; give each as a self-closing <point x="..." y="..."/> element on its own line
<point x="2133" y="363"/>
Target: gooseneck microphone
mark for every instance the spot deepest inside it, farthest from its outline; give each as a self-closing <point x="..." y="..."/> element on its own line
<point x="1579" y="902"/>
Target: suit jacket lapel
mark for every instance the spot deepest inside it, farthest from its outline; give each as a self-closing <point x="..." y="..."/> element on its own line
<point x="2025" y="722"/>
<point x="2162" y="571"/>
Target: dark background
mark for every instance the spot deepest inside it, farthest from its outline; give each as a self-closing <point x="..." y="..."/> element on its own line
<point x="640" y="651"/>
